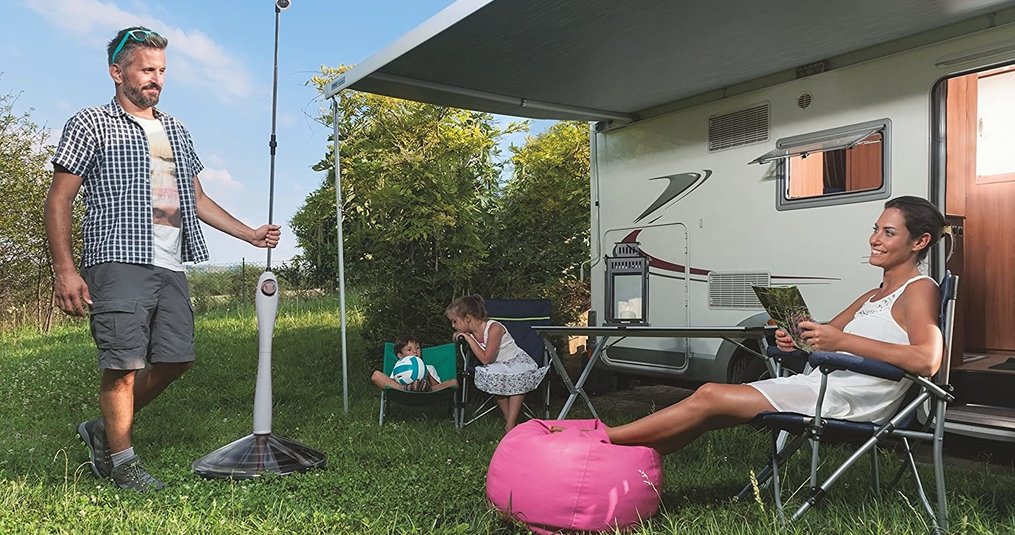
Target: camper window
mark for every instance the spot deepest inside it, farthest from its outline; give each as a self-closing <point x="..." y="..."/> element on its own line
<point x="841" y="165"/>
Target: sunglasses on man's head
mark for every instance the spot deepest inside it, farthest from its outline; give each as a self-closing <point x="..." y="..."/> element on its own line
<point x="137" y="35"/>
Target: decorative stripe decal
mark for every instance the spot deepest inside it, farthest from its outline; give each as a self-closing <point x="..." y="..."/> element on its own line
<point x="665" y="265"/>
<point x="679" y="186"/>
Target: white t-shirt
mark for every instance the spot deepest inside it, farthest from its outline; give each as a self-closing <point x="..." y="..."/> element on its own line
<point x="166" y="222"/>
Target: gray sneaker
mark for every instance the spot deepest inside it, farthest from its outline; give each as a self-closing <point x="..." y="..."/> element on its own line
<point x="93" y="434"/>
<point x="132" y="475"/>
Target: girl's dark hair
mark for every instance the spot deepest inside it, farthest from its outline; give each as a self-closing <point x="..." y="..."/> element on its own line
<point x="471" y="305"/>
<point x="922" y="217"/>
<point x="402" y="342"/>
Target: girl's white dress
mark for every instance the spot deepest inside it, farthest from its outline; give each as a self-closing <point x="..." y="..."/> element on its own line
<point x="849" y="395"/>
<point x="512" y="372"/>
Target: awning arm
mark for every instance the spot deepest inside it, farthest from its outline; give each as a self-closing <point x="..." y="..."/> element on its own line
<point x="590" y="114"/>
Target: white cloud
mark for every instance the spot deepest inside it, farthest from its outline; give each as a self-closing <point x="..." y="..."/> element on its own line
<point x="198" y="60"/>
<point x="213" y="160"/>
<point x="84" y="17"/>
<point x="206" y="62"/>
<point x="219" y="180"/>
<point x="220" y="185"/>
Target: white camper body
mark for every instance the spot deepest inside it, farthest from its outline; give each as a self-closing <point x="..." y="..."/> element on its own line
<point x="915" y="97"/>
<point x="726" y="230"/>
<point x="729" y="224"/>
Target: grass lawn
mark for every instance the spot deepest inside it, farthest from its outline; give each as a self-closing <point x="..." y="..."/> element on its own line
<point x="414" y="475"/>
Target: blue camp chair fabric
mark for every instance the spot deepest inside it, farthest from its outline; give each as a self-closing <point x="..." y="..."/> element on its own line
<point x="921" y="417"/>
<point x="444" y="359"/>
<point x="518" y="316"/>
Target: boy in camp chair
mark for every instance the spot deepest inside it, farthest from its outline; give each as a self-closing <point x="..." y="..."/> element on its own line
<point x="431" y="381"/>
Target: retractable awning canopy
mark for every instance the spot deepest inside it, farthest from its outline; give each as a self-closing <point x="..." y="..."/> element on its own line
<point x="627" y="59"/>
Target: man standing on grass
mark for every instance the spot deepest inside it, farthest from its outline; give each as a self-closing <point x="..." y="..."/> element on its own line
<point x="142" y="200"/>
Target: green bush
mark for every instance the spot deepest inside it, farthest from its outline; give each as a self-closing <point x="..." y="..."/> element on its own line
<point x="428" y="219"/>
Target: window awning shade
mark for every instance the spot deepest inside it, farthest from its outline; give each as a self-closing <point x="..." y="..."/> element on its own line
<point x="806" y="145"/>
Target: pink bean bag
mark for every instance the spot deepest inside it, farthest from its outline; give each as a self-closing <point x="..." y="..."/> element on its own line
<point x="574" y="479"/>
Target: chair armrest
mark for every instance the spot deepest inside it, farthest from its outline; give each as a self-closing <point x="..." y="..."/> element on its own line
<point x="933" y="389"/>
<point x="829" y="362"/>
<point x="469" y="360"/>
<point x="796" y="356"/>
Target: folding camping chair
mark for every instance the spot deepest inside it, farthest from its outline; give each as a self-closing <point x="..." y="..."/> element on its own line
<point x="443" y="358"/>
<point x="921" y="417"/>
<point x="518" y="316"/>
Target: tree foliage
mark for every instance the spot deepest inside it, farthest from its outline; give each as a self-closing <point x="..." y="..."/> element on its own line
<point x="427" y="219"/>
<point x="25" y="266"/>
<point x="540" y="229"/>
<point x="417" y="181"/>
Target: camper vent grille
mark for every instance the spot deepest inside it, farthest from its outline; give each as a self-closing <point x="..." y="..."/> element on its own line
<point x="738" y="128"/>
<point x="733" y="290"/>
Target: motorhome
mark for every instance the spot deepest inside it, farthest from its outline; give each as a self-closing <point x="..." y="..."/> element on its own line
<point x="752" y="143"/>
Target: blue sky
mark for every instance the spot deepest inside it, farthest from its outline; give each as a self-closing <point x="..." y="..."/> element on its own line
<point x="218" y="82"/>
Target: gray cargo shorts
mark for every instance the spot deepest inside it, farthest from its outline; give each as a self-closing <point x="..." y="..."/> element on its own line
<point x="140" y="314"/>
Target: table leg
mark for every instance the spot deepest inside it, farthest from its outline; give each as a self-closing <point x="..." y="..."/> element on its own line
<point x="577" y="389"/>
<point x="773" y="367"/>
<point x="564" y="377"/>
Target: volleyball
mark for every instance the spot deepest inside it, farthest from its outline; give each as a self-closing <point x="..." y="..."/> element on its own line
<point x="408" y="369"/>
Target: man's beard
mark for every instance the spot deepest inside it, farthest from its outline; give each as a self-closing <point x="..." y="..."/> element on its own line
<point x="137" y="97"/>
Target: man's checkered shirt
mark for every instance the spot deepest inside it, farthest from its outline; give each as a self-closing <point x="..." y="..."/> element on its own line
<point x="109" y="150"/>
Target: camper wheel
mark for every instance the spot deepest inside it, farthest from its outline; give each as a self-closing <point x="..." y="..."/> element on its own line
<point x="746" y="368"/>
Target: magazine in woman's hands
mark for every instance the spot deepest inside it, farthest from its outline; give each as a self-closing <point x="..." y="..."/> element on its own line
<point x="786" y="306"/>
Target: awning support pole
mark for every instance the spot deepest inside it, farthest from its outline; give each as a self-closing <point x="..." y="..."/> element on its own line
<point x="341" y="252"/>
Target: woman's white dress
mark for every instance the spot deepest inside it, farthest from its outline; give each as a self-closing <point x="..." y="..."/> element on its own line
<point x="849" y="395"/>
<point x="512" y="372"/>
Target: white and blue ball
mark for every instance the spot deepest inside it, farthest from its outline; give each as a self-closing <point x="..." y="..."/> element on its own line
<point x="408" y="369"/>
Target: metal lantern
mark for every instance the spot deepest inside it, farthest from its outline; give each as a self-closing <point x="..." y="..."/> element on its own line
<point x="627" y="285"/>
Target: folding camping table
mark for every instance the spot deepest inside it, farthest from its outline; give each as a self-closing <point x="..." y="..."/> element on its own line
<point x="608" y="335"/>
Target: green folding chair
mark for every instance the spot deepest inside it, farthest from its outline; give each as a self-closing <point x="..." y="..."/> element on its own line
<point x="444" y="359"/>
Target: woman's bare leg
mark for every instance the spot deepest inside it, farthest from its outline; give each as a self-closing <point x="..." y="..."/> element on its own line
<point x="712" y="406"/>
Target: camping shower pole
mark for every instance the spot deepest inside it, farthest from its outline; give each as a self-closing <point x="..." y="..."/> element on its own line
<point x="339" y="216"/>
<point x="262" y="451"/>
<point x="266" y="300"/>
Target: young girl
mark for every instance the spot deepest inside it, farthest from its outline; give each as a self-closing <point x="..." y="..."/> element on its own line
<point x="507" y="371"/>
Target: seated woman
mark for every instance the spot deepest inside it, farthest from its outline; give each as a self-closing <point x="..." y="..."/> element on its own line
<point x="896" y="323"/>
